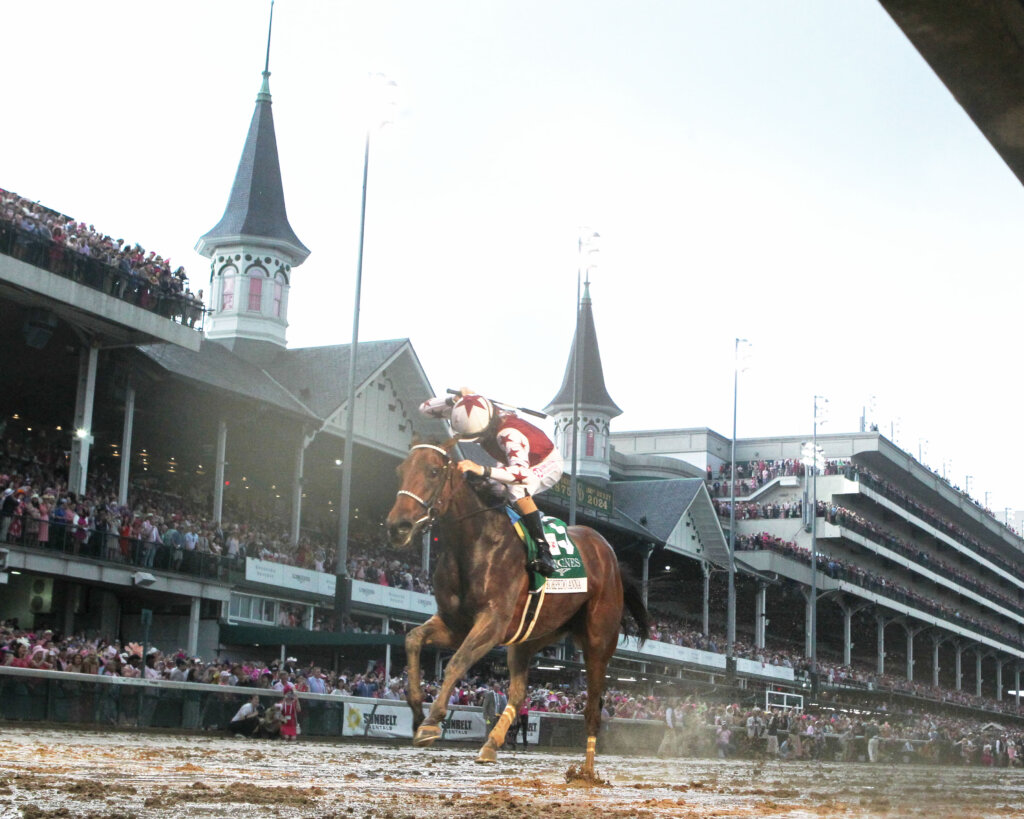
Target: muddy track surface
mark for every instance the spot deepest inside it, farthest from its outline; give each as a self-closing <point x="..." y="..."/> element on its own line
<point x="60" y="774"/>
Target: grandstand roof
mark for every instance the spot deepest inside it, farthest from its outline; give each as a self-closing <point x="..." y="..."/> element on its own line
<point x="318" y="376"/>
<point x="593" y="392"/>
<point x="256" y="207"/>
<point x="312" y="381"/>
<point x="976" y="48"/>
<point x="660" y="505"/>
<point x="216" y="366"/>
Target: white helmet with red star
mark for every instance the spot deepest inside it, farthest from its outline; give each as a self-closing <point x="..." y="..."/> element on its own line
<point x="471" y="416"/>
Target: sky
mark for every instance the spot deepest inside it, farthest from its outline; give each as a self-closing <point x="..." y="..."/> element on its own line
<point x="791" y="173"/>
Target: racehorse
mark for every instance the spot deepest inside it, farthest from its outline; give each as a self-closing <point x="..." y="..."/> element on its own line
<point x="482" y="590"/>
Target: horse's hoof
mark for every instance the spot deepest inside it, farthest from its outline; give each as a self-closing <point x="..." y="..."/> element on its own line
<point x="426" y="735"/>
<point x="487" y="755"/>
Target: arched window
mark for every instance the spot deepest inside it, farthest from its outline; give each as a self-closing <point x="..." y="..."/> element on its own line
<point x="279" y="283"/>
<point x="227" y="291"/>
<point x="256" y="277"/>
<point x="589" y="432"/>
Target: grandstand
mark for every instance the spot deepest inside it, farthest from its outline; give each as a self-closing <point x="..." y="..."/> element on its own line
<point x="128" y="404"/>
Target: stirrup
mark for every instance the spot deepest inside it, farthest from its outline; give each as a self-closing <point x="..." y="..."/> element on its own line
<point x="544" y="568"/>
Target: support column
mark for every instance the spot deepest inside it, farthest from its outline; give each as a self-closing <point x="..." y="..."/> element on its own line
<point x="218" y="472"/>
<point x="880" y="631"/>
<point x="760" y="615"/>
<point x="297" y="477"/>
<point x="999" y="677"/>
<point x="127" y="427"/>
<point x="1016" y="685"/>
<point x="387" y="652"/>
<point x="937" y="640"/>
<point x="848" y="609"/>
<point x="193" y="627"/>
<point x="911" y="634"/>
<point x="646" y="579"/>
<point x="959" y="649"/>
<point x="808" y="619"/>
<point x="82" y="438"/>
<point x="425" y="550"/>
<point x="977" y="671"/>
<point x="707" y="596"/>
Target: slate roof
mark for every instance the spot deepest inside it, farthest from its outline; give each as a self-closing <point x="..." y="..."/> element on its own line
<point x="216" y="366"/>
<point x="319" y="375"/>
<point x="593" y="392"/>
<point x="256" y="204"/>
<point x="311" y="381"/>
<point x="661" y="502"/>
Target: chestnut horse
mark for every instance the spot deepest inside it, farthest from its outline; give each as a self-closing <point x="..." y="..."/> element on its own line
<point x="481" y="588"/>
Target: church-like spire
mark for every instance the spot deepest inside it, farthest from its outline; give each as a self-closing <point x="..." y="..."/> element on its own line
<point x="256" y="210"/>
<point x="593" y="393"/>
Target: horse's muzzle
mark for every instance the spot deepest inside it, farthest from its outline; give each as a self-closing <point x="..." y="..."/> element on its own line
<point x="399" y="534"/>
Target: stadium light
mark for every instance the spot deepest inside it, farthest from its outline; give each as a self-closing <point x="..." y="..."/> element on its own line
<point x="741" y="350"/>
<point x="384" y="92"/>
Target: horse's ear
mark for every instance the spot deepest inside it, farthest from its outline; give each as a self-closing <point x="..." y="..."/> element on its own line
<point x="448" y="445"/>
<point x="417" y="439"/>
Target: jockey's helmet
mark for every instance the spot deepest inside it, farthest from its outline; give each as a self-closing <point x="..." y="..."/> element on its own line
<point x="471" y="416"/>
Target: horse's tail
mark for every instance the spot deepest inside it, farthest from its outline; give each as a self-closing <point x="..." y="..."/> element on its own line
<point x="632" y="596"/>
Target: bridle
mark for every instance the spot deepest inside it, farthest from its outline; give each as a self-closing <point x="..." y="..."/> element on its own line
<point x="430" y="505"/>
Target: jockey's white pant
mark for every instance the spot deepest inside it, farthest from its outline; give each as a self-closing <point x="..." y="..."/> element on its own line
<point x="540" y="477"/>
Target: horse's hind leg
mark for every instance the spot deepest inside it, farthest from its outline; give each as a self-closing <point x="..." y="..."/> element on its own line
<point x="599" y="643"/>
<point x="435" y="633"/>
<point x="518" y="666"/>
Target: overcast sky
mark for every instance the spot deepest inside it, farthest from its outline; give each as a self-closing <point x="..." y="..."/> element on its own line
<point x="788" y="172"/>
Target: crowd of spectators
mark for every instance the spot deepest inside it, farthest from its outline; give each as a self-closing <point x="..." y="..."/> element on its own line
<point x="693" y="726"/>
<point x="72" y="249"/>
<point x="752" y="475"/>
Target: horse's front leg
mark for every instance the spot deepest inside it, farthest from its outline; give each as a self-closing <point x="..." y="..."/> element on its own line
<point x="432" y="633"/>
<point x="484" y="635"/>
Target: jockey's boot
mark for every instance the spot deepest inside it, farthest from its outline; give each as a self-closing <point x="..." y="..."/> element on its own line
<point x="543" y="565"/>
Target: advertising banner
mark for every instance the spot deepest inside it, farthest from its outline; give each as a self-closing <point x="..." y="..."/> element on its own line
<point x="377" y="718"/>
<point x="289" y="577"/>
<point x="392" y="719"/>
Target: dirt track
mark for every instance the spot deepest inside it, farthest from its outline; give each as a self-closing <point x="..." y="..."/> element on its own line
<point x="62" y="774"/>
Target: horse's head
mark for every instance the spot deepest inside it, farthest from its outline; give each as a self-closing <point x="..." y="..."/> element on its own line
<point x="425" y="485"/>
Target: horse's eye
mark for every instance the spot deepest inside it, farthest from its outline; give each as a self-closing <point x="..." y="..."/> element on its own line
<point x="434" y="472"/>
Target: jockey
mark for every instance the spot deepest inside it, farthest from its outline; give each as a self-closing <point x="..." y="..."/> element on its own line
<point x="528" y="461"/>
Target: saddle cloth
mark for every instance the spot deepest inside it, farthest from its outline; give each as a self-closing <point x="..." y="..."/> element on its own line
<point x="570" y="574"/>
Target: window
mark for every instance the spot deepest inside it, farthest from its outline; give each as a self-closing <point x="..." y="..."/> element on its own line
<point x="590" y="432"/>
<point x="227" y="292"/>
<point x="256" y="276"/>
<point x="279" y="281"/>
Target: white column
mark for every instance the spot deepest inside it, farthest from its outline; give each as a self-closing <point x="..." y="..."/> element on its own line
<point x="959" y="647"/>
<point x="977" y="671"/>
<point x="999" y="678"/>
<point x="387" y="651"/>
<point x="936" y="642"/>
<point x="760" y="609"/>
<point x="881" y="623"/>
<point x="425" y="550"/>
<point x="82" y="437"/>
<point x="707" y="597"/>
<point x="847" y="635"/>
<point x="218" y="473"/>
<point x="193" y="627"/>
<point x="126" y="446"/>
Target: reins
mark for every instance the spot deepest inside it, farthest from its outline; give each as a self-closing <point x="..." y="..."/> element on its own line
<point x="430" y="505"/>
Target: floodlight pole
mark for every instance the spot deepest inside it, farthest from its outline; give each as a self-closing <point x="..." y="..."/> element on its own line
<point x="341" y="560"/>
<point x="814" y="543"/>
<point x="731" y="604"/>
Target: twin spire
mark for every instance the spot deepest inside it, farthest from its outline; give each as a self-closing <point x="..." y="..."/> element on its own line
<point x="256" y="212"/>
